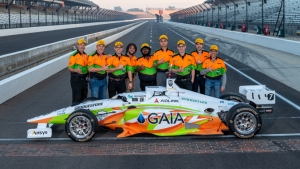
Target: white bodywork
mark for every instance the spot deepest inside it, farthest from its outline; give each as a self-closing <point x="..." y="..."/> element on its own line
<point x="171" y="94"/>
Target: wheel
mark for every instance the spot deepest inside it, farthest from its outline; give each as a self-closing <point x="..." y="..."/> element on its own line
<point x="243" y="120"/>
<point x="81" y="125"/>
<point x="233" y="97"/>
<point x="89" y="99"/>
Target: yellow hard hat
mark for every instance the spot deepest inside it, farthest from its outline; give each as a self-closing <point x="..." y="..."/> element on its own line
<point x="145" y="45"/>
<point x="101" y="42"/>
<point x="214" y="47"/>
<point x="199" y="40"/>
<point x="81" y="41"/>
<point x="163" y="37"/>
<point x="118" y="44"/>
<point x="180" y="42"/>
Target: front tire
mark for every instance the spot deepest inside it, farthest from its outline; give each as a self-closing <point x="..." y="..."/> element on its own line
<point x="243" y="120"/>
<point x="81" y="125"/>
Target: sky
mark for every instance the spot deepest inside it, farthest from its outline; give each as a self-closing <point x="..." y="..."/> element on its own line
<point x="127" y="4"/>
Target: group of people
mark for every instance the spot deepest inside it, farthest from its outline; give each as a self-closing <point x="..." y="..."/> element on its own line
<point x="200" y="68"/>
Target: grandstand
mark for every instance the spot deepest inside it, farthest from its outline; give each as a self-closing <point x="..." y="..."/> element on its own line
<point x="213" y="12"/>
<point x="24" y="13"/>
<point x="166" y="12"/>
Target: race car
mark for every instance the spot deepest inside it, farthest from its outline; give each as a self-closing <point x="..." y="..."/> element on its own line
<point x="162" y="111"/>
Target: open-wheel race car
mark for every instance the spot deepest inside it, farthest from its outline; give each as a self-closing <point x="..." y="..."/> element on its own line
<point x="162" y="111"/>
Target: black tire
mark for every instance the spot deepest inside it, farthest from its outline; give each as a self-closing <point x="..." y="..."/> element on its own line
<point x="233" y="97"/>
<point x="89" y="99"/>
<point x="239" y="111"/>
<point x="89" y="118"/>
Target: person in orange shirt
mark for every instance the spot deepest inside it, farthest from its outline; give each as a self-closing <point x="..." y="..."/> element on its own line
<point x="145" y="68"/>
<point x="184" y="66"/>
<point x="119" y="67"/>
<point x="78" y="62"/>
<point x="161" y="60"/>
<point x="97" y="68"/>
<point x="200" y="56"/>
<point x="130" y="51"/>
<point x="214" y="70"/>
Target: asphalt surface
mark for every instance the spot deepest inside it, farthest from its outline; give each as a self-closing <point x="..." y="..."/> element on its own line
<point x="16" y="43"/>
<point x="55" y="92"/>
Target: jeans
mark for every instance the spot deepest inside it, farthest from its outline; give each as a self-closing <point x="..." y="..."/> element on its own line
<point x="98" y="88"/>
<point x="213" y="85"/>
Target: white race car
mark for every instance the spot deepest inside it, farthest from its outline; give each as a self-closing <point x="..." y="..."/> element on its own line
<point x="162" y="111"/>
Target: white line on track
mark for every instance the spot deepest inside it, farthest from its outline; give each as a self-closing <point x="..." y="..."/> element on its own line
<point x="152" y="138"/>
<point x="248" y="77"/>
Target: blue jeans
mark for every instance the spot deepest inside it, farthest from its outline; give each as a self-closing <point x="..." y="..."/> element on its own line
<point x="213" y="85"/>
<point x="98" y="88"/>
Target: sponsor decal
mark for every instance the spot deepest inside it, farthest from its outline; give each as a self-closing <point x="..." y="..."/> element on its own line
<point x="156" y="101"/>
<point x="153" y="118"/>
<point x="139" y="96"/>
<point x="88" y="106"/>
<point x="222" y="106"/>
<point x="141" y="99"/>
<point x="61" y="112"/>
<point x="130" y="96"/>
<point x="230" y="104"/>
<point x="221" y="101"/>
<point x="135" y="99"/>
<point x="39" y="132"/>
<point x="169" y="100"/>
<point x="193" y="100"/>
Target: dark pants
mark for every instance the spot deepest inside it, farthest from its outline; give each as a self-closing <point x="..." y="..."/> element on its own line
<point x="79" y="89"/>
<point x="186" y="84"/>
<point x="116" y="87"/>
<point x="199" y="82"/>
<point x="143" y="84"/>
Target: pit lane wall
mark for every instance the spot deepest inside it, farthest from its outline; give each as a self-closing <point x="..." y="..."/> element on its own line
<point x="283" y="45"/>
<point x="18" y="31"/>
<point x="18" y="83"/>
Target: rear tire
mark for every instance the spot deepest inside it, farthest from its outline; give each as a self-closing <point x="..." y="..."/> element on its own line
<point x="81" y="125"/>
<point x="243" y="120"/>
<point x="233" y="97"/>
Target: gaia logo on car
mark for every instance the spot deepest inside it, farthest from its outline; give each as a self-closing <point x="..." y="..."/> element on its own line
<point x="88" y="106"/>
<point x="154" y="118"/>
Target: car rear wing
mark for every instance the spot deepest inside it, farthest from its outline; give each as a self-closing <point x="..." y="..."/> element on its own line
<point x="258" y="94"/>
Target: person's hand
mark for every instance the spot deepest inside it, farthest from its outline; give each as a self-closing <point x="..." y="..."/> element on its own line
<point x="209" y="69"/>
<point x="109" y="55"/>
<point x="180" y="69"/>
<point x="192" y="80"/>
<point x="142" y="67"/>
<point x="120" y="66"/>
<point x="161" y="61"/>
<point x="130" y="86"/>
<point x="105" y="67"/>
<point x="78" y="71"/>
<point x="222" y="89"/>
<point x="199" y="62"/>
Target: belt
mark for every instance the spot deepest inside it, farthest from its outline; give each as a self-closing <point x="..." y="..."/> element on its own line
<point x="182" y="80"/>
<point x="214" y="78"/>
<point x="78" y="77"/>
<point x="97" y="78"/>
<point x="116" y="79"/>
